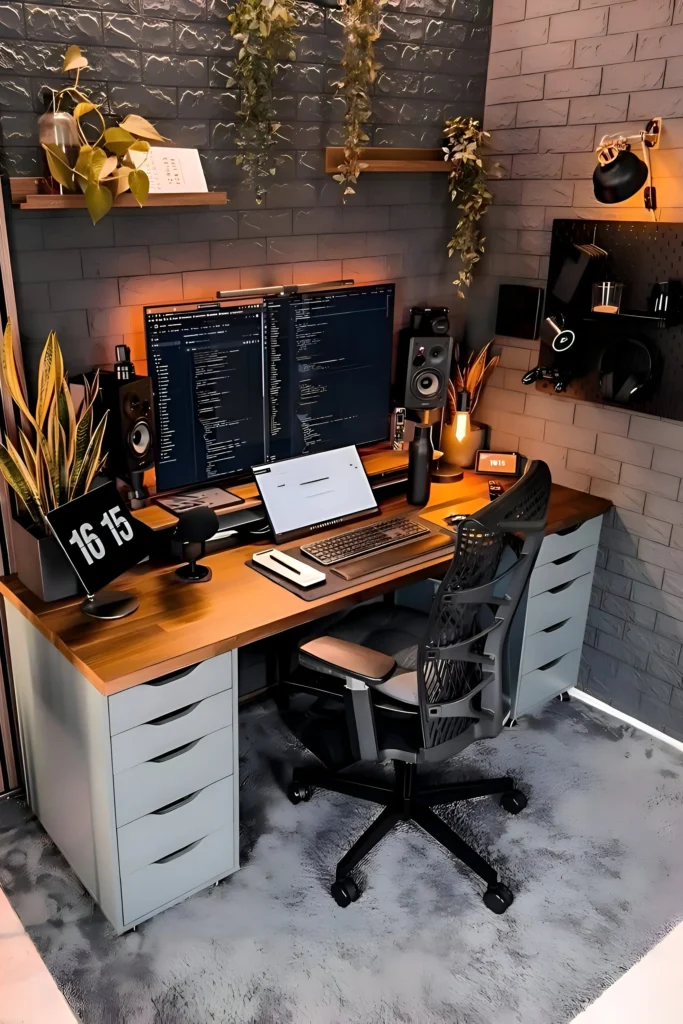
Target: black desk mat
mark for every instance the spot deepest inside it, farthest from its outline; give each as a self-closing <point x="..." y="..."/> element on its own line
<point x="335" y="584"/>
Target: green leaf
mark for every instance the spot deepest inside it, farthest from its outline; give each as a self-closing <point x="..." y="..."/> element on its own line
<point x="74" y="59"/>
<point x="141" y="128"/>
<point x="140" y="146"/>
<point x="81" y="109"/>
<point x="59" y="169"/>
<point x="82" y="167"/>
<point x="138" y="183"/>
<point x="17" y="481"/>
<point x="97" y="162"/>
<point x="99" y="201"/>
<point x="91" y="460"/>
<point x="118" y="140"/>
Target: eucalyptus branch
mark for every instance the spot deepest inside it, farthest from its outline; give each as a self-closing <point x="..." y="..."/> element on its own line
<point x="464" y="140"/>
<point x="266" y="31"/>
<point x="362" y="21"/>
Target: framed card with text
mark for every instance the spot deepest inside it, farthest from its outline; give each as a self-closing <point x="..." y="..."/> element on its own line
<point x="101" y="540"/>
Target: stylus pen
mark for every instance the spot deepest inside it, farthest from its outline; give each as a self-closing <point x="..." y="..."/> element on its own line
<point x="281" y="561"/>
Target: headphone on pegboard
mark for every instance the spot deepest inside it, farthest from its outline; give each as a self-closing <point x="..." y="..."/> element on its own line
<point x="626" y="366"/>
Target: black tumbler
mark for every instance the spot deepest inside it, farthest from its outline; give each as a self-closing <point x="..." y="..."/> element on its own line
<point x="420" y="452"/>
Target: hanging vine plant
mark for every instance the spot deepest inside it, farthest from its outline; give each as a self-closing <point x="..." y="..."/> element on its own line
<point x="362" y="21"/>
<point x="266" y="30"/>
<point x="467" y="187"/>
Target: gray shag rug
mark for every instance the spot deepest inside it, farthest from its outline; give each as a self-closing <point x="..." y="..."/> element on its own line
<point x="595" y="862"/>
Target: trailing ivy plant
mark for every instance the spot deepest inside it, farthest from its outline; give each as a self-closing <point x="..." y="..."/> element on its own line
<point x="109" y="158"/>
<point x="362" y="22"/>
<point x="266" y="31"/>
<point x="464" y="140"/>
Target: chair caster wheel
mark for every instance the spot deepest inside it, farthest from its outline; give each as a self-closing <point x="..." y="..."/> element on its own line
<point x="564" y="697"/>
<point x="345" y="891"/>
<point x="513" y="801"/>
<point x="298" y="791"/>
<point x="498" y="898"/>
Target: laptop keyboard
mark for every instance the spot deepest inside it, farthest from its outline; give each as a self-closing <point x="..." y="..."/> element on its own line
<point x="364" y="540"/>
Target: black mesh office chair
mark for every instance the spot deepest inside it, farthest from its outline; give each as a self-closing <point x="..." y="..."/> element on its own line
<point x="415" y="688"/>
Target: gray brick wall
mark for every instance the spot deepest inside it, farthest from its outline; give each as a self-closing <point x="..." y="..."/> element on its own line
<point x="169" y="60"/>
<point x="561" y="74"/>
<point x="633" y="647"/>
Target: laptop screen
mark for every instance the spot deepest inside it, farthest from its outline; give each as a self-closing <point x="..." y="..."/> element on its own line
<point x="312" y="490"/>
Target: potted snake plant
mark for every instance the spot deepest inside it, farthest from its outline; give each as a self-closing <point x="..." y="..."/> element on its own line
<point x="58" y="459"/>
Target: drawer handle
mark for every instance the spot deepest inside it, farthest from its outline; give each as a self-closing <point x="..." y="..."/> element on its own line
<point x="178" y="853"/>
<point x="173" y="715"/>
<point x="174" y="753"/>
<point x="171" y="677"/>
<point x="558" y="625"/>
<point x="566" y="558"/>
<point x="550" y="664"/>
<point x="561" y="586"/>
<point x="570" y="529"/>
<point x="184" y="800"/>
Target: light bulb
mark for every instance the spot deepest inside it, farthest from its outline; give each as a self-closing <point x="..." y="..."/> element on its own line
<point x="462" y="425"/>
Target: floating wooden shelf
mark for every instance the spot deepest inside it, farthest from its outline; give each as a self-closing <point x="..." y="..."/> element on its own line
<point x="26" y="195"/>
<point x="387" y="159"/>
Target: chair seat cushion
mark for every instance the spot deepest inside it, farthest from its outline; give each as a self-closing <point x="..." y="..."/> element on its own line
<point x="394" y="631"/>
<point x="402" y="686"/>
<point x="352" y="659"/>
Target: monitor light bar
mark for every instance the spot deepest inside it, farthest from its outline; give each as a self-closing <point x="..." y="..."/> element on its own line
<point x="282" y="289"/>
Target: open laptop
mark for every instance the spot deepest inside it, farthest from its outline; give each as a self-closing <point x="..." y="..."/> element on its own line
<point x="314" y="492"/>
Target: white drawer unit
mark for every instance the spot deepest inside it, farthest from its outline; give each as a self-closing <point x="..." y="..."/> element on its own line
<point x="168" y="777"/>
<point x="557" y="545"/>
<point x="558" y="604"/>
<point x="176" y="825"/>
<point x="146" y="701"/>
<point x="177" y="874"/>
<point x="555" y="620"/>
<point x="545" y="682"/>
<point x="170" y="731"/>
<point x="562" y="570"/>
<point x="549" y="643"/>
<point x="138" y="790"/>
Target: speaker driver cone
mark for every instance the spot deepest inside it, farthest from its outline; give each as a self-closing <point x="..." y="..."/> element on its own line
<point x="427" y="383"/>
<point x="140" y="438"/>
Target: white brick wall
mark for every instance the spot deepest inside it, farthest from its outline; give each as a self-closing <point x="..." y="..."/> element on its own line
<point x="563" y="73"/>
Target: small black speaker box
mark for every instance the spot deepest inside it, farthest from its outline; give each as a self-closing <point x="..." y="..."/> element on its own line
<point x="129" y="435"/>
<point x="428" y="370"/>
<point x="429" y="321"/>
<point x="519" y="311"/>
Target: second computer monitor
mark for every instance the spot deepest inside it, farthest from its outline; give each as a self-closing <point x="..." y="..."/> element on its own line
<point x="329" y="369"/>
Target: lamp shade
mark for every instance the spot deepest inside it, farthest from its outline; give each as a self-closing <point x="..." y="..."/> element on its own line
<point x="619" y="179"/>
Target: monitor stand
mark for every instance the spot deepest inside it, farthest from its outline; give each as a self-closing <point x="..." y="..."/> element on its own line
<point x="211" y="497"/>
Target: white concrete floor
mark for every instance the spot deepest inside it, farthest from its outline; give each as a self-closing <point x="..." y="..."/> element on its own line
<point x="650" y="993"/>
<point x="28" y="993"/>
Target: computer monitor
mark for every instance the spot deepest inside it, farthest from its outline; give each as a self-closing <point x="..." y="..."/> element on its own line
<point x="329" y="369"/>
<point x="240" y="385"/>
<point x="206" y="364"/>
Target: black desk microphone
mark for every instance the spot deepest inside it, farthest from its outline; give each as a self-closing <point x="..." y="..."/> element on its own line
<point x="194" y="528"/>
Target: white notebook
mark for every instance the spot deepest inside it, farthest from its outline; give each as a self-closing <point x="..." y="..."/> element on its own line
<point x="172" y="170"/>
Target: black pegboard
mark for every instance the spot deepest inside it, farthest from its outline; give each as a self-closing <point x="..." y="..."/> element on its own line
<point x="639" y="255"/>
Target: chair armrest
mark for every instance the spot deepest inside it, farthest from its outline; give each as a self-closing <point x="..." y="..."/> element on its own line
<point x="337" y="657"/>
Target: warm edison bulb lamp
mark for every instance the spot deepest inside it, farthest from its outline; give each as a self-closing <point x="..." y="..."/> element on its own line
<point x="462" y="416"/>
<point x="447" y="472"/>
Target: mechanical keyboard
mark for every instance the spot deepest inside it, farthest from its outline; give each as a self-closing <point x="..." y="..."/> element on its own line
<point x="364" y="540"/>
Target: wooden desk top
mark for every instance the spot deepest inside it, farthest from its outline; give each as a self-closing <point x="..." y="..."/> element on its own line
<point x="178" y="625"/>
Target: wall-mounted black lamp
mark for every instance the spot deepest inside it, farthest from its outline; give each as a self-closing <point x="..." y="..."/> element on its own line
<point x="620" y="173"/>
